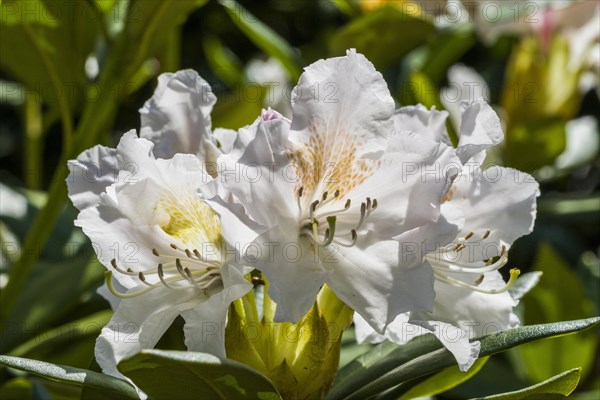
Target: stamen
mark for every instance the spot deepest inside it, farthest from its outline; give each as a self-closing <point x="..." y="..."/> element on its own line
<point x="347" y="205"/>
<point x="514" y="274"/>
<point x="325" y="195"/>
<point x="188" y="253"/>
<point x="313" y="207"/>
<point x="336" y="193"/>
<point x="180" y="268"/>
<point x="375" y="204"/>
<point x="469" y="235"/>
<point x="173" y="246"/>
<point x="479" y="280"/>
<point x="330" y="232"/>
<point x="486" y="234"/>
<point x="108" y="277"/>
<point x="315" y="231"/>
<point x="363" y="208"/>
<point x="354" y="238"/>
<point x="298" y="198"/>
<point x="155" y="252"/>
<point x="459" y="247"/>
<point x="161" y="275"/>
<point x="189" y="276"/>
<point x="129" y="272"/>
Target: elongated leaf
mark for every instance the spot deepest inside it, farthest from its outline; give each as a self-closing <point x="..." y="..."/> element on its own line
<point x="382" y="358"/>
<point x="443" y="380"/>
<point x="264" y="38"/>
<point x="420" y="357"/>
<point x="557" y="387"/>
<point x="161" y="374"/>
<point x="384" y="36"/>
<point x="548" y="358"/>
<point x="113" y="388"/>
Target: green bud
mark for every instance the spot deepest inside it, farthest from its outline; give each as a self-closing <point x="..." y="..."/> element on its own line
<point x="300" y="359"/>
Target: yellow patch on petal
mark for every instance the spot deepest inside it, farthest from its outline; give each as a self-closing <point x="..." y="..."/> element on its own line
<point x="190" y="220"/>
<point x="330" y="163"/>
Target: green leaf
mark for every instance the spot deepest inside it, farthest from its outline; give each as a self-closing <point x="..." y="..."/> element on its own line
<point x="559" y="296"/>
<point x="235" y="110"/>
<point x="388" y="365"/>
<point x="223" y="62"/>
<point x="535" y="142"/>
<point x="16" y="12"/>
<point x="16" y="388"/>
<point x="162" y="373"/>
<point x="350" y="349"/>
<point x="557" y="387"/>
<point x="384" y="36"/>
<point x="70" y="344"/>
<point x="444" y="380"/>
<point x="264" y="38"/>
<point x="48" y="49"/>
<point x="114" y="388"/>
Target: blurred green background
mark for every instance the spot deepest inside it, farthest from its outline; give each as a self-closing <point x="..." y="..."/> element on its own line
<point x="74" y="74"/>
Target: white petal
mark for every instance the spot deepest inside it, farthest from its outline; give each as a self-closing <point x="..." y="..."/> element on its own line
<point x="137" y="324"/>
<point x="502" y="200"/>
<point x="205" y="324"/>
<point x="364" y="332"/>
<point x="259" y="173"/>
<point x="177" y="117"/>
<point x="292" y="269"/>
<point x="480" y="129"/>
<point x="237" y="229"/>
<point x="378" y="286"/>
<point x="408" y="185"/>
<point x="465" y="84"/>
<point x="113" y="236"/>
<point x="477" y="313"/>
<point x="90" y="174"/>
<point x="113" y="300"/>
<point x="583" y="142"/>
<point x="455" y="340"/>
<point x="225" y="139"/>
<point x="418" y="242"/>
<point x="343" y="102"/>
<point x="427" y="123"/>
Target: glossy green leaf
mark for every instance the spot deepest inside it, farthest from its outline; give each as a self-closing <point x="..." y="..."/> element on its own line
<point x="384" y="36"/>
<point x="162" y="373"/>
<point x="557" y="387"/>
<point x="559" y="296"/>
<point x="444" y="380"/>
<point x="388" y="365"/>
<point x="113" y="388"/>
<point x="264" y="38"/>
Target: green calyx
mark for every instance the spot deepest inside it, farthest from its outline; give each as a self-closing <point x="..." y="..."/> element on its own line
<point x="300" y="359"/>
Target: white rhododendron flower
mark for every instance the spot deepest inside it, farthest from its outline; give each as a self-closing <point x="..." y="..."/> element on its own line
<point x="167" y="241"/>
<point x="484" y="210"/>
<point x="177" y="118"/>
<point x="333" y="187"/>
